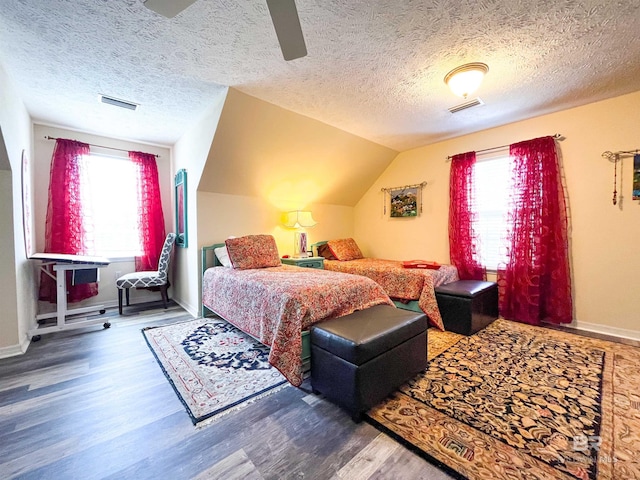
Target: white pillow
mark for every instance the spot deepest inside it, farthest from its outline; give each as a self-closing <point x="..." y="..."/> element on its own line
<point x="223" y="256"/>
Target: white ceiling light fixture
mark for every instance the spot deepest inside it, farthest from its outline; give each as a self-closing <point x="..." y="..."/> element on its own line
<point x="466" y="79"/>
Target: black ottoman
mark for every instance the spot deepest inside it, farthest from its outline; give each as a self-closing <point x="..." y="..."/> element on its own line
<point x="359" y="359"/>
<point x="467" y="306"/>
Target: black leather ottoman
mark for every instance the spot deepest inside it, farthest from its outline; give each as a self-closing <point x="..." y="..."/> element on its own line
<point x="359" y="359"/>
<point x="467" y="306"/>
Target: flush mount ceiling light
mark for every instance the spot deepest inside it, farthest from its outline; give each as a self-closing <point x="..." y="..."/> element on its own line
<point x="466" y="79"/>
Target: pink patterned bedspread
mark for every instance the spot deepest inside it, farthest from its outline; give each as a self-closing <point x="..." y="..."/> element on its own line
<point x="275" y="304"/>
<point x="402" y="283"/>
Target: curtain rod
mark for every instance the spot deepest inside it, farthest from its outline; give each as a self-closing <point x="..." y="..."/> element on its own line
<point x="415" y="185"/>
<point x="557" y="136"/>
<point x="47" y="137"/>
<point x="615" y="156"/>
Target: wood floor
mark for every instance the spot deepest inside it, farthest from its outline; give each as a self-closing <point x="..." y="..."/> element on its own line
<point x="93" y="404"/>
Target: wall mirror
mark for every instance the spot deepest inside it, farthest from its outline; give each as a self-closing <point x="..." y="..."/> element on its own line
<point x="181" y="208"/>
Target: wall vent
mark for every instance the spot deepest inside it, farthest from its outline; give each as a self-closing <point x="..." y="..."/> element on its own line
<point x="465" y="105"/>
<point x="118" y="103"/>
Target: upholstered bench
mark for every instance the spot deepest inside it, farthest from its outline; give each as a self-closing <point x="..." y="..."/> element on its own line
<point x="467" y="306"/>
<point x="359" y="359"/>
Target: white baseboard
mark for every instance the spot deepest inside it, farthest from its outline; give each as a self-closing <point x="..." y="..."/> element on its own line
<point x="189" y="308"/>
<point x="605" y="329"/>
<point x="15" y="350"/>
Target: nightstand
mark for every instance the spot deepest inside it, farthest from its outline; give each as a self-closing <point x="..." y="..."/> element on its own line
<point x="308" y="262"/>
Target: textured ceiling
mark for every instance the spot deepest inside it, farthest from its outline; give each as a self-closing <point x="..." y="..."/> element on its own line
<point x="375" y="68"/>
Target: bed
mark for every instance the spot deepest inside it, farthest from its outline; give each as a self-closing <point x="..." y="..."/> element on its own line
<point x="409" y="288"/>
<point x="275" y="303"/>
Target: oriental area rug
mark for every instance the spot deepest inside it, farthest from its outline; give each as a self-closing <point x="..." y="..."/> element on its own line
<point x="515" y="401"/>
<point x="213" y="367"/>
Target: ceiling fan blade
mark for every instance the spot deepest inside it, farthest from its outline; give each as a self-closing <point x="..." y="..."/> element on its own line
<point x="167" y="8"/>
<point x="286" y="22"/>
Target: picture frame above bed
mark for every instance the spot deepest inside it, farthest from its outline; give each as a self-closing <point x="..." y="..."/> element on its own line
<point x="404" y="201"/>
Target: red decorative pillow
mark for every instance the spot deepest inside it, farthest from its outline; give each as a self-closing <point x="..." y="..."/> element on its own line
<point x="253" y="251"/>
<point x="345" y="249"/>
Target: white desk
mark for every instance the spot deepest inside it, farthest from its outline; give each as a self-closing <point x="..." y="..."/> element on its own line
<point x="61" y="264"/>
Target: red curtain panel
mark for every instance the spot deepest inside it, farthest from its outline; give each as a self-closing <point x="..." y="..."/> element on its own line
<point x="150" y="218"/>
<point x="68" y="227"/>
<point x="463" y="240"/>
<point x="535" y="283"/>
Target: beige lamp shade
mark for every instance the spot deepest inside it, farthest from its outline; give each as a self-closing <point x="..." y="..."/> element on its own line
<point x="465" y="79"/>
<point x="298" y="219"/>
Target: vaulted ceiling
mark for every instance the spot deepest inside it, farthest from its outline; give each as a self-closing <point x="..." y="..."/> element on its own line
<point x="374" y="68"/>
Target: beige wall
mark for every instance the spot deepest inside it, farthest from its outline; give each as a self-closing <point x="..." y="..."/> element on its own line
<point x="17" y="295"/>
<point x="190" y="153"/>
<point x="604" y="238"/>
<point x="264" y="151"/>
<point x="43" y="150"/>
<point x="235" y="215"/>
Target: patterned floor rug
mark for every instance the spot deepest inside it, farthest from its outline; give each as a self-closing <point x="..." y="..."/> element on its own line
<point x="213" y="367"/>
<point x="515" y="401"/>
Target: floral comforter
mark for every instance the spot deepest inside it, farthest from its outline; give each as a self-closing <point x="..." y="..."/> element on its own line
<point x="275" y="304"/>
<point x="402" y="283"/>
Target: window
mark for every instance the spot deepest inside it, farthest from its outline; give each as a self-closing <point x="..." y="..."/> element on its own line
<point x="491" y="181"/>
<point x="112" y="197"/>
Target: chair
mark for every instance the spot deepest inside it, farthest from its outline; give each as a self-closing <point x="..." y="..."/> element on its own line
<point x="149" y="279"/>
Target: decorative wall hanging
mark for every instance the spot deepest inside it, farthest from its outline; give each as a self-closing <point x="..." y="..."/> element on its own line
<point x="181" y="208"/>
<point x="404" y="201"/>
<point x="616" y="157"/>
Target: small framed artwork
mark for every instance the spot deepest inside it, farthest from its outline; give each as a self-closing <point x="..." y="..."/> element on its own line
<point x="404" y="202"/>
<point x="181" y="208"/>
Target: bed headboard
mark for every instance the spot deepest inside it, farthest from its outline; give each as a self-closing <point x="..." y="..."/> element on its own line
<point x="316" y="245"/>
<point x="209" y="258"/>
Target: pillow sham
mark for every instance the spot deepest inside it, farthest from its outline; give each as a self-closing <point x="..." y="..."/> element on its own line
<point x="253" y="251"/>
<point x="223" y="256"/>
<point x="325" y="251"/>
<point x="345" y="249"/>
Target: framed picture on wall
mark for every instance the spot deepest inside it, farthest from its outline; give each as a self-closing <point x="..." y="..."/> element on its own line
<point x="404" y="202"/>
<point x="181" y="208"/>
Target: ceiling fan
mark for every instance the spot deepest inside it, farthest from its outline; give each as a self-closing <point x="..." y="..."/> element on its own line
<point x="284" y="16"/>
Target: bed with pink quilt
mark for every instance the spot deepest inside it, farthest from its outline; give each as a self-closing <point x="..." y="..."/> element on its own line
<point x="275" y="304"/>
<point x="406" y="286"/>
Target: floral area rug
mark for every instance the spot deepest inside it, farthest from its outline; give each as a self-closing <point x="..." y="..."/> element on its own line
<point x="520" y="402"/>
<point x="213" y="367"/>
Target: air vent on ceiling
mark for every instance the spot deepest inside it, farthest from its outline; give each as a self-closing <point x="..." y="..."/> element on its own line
<point x="465" y="105"/>
<point x="118" y="103"/>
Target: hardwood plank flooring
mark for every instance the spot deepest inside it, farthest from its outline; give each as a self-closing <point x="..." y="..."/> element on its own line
<point x="94" y="404"/>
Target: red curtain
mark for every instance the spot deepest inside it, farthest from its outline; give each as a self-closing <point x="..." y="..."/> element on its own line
<point x="535" y="284"/>
<point x="463" y="241"/>
<point x="150" y="218"/>
<point x="68" y="228"/>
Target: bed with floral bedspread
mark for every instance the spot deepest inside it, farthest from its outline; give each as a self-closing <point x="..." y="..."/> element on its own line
<point x="275" y="304"/>
<point x="401" y="284"/>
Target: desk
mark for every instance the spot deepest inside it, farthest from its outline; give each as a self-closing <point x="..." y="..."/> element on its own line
<point x="84" y="266"/>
